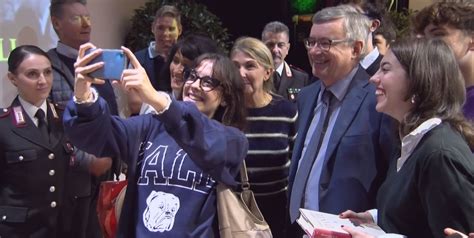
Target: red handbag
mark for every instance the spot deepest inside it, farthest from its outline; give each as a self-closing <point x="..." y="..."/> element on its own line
<point x="109" y="205"/>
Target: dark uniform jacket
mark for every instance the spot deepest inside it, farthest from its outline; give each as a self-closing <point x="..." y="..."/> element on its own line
<point x="32" y="175"/>
<point x="292" y="80"/>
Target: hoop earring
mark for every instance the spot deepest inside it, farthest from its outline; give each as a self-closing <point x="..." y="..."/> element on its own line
<point x="412" y="100"/>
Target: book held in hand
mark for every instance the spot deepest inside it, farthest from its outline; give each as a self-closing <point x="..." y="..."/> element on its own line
<point x="325" y="225"/>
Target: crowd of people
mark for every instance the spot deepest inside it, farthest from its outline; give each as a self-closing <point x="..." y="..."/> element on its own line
<point x="380" y="131"/>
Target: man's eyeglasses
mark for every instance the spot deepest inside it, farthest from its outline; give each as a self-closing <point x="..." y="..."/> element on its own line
<point x="323" y="44"/>
<point x="206" y="83"/>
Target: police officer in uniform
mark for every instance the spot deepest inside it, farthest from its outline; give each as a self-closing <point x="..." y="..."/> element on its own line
<point x="288" y="80"/>
<point x="34" y="154"/>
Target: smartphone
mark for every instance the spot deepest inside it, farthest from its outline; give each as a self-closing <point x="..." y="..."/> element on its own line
<point x="114" y="64"/>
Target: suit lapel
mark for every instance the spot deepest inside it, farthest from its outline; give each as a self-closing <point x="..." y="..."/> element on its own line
<point x="306" y="116"/>
<point x="349" y="108"/>
<point x="29" y="131"/>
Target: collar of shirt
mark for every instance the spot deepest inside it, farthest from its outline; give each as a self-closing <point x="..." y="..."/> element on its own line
<point x="370" y="58"/>
<point x="339" y="89"/>
<point x="279" y="70"/>
<point x="31" y="109"/>
<point x="151" y="50"/>
<point x="410" y="141"/>
<point x="67" y="51"/>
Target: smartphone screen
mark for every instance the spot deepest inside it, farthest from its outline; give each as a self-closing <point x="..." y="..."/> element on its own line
<point x="114" y="64"/>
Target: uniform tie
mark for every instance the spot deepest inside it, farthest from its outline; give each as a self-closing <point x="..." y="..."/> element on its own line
<point x="276" y="80"/>
<point x="42" y="125"/>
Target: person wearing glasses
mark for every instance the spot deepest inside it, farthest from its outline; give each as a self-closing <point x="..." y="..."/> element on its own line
<point x="175" y="157"/>
<point x="343" y="145"/>
<point x="287" y="79"/>
<point x="271" y="132"/>
<point x="181" y="57"/>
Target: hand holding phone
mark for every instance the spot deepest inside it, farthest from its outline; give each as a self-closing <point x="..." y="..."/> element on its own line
<point x="114" y="64"/>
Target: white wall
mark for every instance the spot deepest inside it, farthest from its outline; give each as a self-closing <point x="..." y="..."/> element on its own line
<point x="111" y="20"/>
<point x="110" y="23"/>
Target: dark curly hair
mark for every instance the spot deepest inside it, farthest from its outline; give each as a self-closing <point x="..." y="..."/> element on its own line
<point x="458" y="14"/>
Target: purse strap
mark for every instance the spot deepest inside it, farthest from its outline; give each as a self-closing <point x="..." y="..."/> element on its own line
<point x="244" y="179"/>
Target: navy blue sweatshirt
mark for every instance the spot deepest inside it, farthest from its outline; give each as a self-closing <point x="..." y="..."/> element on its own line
<point x="174" y="162"/>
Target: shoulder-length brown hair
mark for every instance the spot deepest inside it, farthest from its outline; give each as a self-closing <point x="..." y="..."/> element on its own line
<point x="224" y="70"/>
<point x="436" y="85"/>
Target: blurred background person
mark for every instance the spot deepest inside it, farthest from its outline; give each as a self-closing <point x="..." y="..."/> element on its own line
<point x="166" y="28"/>
<point x="270" y="132"/>
<point x="181" y="58"/>
<point x="72" y="23"/>
<point x="385" y="35"/>
<point x="453" y="22"/>
<point x="430" y="185"/>
<point x="34" y="152"/>
<point x="374" y="11"/>
<point x="276" y="36"/>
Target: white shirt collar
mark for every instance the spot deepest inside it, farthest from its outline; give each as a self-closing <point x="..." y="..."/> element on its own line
<point x="151" y="50"/>
<point x="410" y="141"/>
<point x="31" y="109"/>
<point x="370" y="58"/>
<point x="279" y="70"/>
<point x="66" y="50"/>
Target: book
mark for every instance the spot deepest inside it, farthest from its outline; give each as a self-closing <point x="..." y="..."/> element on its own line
<point x="320" y="224"/>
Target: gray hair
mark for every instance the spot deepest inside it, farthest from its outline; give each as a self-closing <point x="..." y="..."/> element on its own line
<point x="275" y="27"/>
<point x="355" y="25"/>
<point x="55" y="9"/>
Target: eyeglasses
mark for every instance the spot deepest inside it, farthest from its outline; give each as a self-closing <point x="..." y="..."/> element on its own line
<point x="206" y="83"/>
<point x="323" y="44"/>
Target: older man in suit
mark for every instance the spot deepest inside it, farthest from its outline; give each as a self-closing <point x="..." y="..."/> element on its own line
<point x="287" y="79"/>
<point x="342" y="148"/>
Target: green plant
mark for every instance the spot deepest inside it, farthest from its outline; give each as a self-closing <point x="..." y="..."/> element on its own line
<point x="401" y="19"/>
<point x="195" y="18"/>
<point x="402" y="22"/>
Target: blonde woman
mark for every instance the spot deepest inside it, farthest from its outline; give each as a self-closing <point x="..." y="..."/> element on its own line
<point x="270" y="131"/>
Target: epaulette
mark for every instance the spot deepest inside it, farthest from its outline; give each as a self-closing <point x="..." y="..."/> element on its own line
<point x="296" y="68"/>
<point x="56" y="109"/>
<point x="59" y="107"/>
<point x="4" y="112"/>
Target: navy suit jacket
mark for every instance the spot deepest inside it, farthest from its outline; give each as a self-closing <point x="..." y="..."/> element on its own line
<point x="153" y="68"/>
<point x="358" y="151"/>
